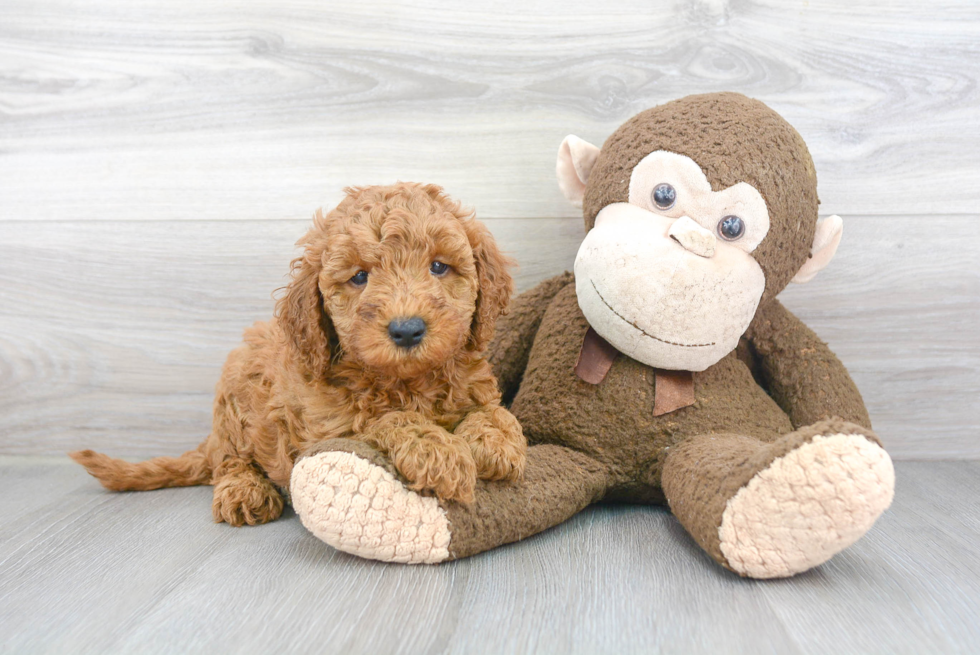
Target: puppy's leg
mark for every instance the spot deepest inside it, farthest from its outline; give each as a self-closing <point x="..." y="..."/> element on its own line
<point x="430" y="457"/>
<point x="496" y="441"/>
<point x="243" y="494"/>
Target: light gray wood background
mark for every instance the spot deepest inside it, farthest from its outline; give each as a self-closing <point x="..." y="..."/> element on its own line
<point x="151" y="151"/>
<point x="159" y="158"/>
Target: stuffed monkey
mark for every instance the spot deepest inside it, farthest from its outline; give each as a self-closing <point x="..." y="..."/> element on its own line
<point x="664" y="370"/>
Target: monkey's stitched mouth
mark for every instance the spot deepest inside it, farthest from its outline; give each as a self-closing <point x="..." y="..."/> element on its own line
<point x="644" y="332"/>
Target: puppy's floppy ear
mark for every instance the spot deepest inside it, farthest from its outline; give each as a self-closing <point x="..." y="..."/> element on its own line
<point x="300" y="311"/>
<point x="496" y="284"/>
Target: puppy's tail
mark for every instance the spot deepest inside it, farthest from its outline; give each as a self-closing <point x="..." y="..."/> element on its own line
<point x="189" y="469"/>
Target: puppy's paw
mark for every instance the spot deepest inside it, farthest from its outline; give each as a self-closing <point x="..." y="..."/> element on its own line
<point x="497" y="443"/>
<point x="439" y="463"/>
<point x="246" y="498"/>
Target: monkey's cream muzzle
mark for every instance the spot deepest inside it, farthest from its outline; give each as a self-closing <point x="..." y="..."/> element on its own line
<point x="668" y="277"/>
<point x="665" y="291"/>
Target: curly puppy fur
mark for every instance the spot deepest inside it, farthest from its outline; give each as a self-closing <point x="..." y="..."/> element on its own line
<point x="326" y="365"/>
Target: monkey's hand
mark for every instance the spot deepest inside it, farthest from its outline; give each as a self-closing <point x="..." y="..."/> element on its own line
<point x="514" y="334"/>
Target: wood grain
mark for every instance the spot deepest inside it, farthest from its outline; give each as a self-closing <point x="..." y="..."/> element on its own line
<point x="184" y="110"/>
<point x="84" y="570"/>
<point x="113" y="333"/>
<point x="919" y="560"/>
<point x="158" y="159"/>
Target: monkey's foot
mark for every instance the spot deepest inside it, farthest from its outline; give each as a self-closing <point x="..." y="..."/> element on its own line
<point x="806" y="506"/>
<point x="359" y="507"/>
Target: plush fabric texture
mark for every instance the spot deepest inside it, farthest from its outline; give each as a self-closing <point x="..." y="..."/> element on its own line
<point x="693" y="237"/>
<point x="614" y="421"/>
<point x="352" y="497"/>
<point x="775" y="393"/>
<point x="772" y="469"/>
<point x="510" y="348"/>
<point x="705" y="472"/>
<point x="575" y="160"/>
<point x="806" y="506"/>
<point x="558" y="483"/>
<point x="694" y="197"/>
<point x="825" y="243"/>
<point x="658" y="302"/>
<point x="734" y="139"/>
<point x="603" y="442"/>
<point x="358" y="506"/>
<point x="800" y="372"/>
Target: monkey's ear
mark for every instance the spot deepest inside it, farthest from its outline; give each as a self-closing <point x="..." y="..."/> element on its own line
<point x="575" y="161"/>
<point x="825" y="242"/>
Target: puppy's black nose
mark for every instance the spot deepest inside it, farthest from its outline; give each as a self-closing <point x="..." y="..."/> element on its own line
<point x="406" y="332"/>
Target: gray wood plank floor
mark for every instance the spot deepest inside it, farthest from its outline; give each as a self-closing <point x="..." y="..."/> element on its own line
<point x="83" y="570"/>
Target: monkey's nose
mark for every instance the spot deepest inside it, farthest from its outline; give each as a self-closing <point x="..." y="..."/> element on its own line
<point x="407" y="332"/>
<point x="692" y="237"/>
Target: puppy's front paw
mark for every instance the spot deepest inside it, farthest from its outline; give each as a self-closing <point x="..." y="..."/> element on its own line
<point x="440" y="463"/>
<point x="497" y="443"/>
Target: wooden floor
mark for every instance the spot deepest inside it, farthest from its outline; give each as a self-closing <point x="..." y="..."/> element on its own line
<point x="83" y="570"/>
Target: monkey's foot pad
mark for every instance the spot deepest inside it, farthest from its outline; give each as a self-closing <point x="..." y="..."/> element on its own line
<point x="360" y="508"/>
<point x="806" y="506"/>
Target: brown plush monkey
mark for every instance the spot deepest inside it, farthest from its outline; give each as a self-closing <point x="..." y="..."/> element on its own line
<point x="665" y="370"/>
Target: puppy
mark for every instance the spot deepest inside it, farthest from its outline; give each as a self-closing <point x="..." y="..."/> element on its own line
<point x="379" y="337"/>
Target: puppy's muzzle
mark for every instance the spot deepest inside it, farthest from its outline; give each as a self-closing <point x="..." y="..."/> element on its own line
<point x="407" y="332"/>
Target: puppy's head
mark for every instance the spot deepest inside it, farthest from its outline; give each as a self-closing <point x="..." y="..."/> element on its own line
<point x="397" y="278"/>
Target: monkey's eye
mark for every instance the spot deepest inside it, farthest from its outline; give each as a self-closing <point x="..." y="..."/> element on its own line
<point x="731" y="228"/>
<point x="664" y="196"/>
<point x="359" y="279"/>
<point x="438" y="268"/>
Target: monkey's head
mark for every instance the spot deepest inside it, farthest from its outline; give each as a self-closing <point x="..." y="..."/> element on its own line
<point x="697" y="211"/>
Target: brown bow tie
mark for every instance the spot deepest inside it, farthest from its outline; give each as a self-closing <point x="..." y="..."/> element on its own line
<point x="672" y="391"/>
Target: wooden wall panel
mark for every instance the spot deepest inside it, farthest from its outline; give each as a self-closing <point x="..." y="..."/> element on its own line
<point x="113" y="333"/>
<point x="159" y="157"/>
<point x="186" y="110"/>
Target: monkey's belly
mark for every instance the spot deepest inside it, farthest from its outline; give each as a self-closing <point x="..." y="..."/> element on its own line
<point x="613" y="421"/>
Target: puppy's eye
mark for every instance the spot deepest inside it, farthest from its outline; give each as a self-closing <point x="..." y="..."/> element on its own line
<point x="438" y="268"/>
<point x="664" y="196"/>
<point x="731" y="228"/>
<point x="359" y="279"/>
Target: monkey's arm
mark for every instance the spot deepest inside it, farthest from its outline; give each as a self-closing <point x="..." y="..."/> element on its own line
<point x="800" y="372"/>
<point x="514" y="335"/>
